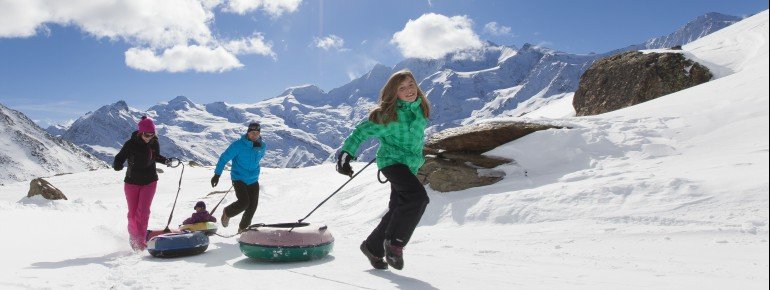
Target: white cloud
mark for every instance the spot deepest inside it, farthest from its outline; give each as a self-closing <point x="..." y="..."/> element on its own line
<point x="180" y="28"/>
<point x="329" y="42"/>
<point x="21" y="18"/>
<point x="433" y="36"/>
<point x="210" y="4"/>
<point x="544" y="44"/>
<point x="495" y="29"/>
<point x="144" y="22"/>
<point x="252" y="45"/>
<point x="361" y="66"/>
<point x="273" y="7"/>
<point x="182" y="58"/>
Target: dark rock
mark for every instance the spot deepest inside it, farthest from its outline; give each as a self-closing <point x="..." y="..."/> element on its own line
<point x="47" y="190"/>
<point x="676" y="47"/>
<point x="158" y="170"/>
<point x="482" y="137"/>
<point x="474" y="160"/>
<point x="453" y="156"/>
<point x="445" y="175"/>
<point x="193" y="164"/>
<point x="631" y="78"/>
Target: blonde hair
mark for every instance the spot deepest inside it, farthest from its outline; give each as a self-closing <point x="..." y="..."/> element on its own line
<point x="386" y="112"/>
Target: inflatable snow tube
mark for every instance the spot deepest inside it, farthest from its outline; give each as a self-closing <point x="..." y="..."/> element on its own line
<point x="154" y="233"/>
<point x="178" y="244"/>
<point x="287" y="242"/>
<point x="208" y="228"/>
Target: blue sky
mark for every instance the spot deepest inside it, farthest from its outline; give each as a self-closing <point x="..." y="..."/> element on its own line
<point x="61" y="60"/>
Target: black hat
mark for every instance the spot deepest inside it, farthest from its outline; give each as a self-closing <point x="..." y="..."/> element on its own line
<point x="200" y="204"/>
<point x="254" y="127"/>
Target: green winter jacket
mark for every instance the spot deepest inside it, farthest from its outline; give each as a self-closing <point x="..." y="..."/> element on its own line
<point x="401" y="141"/>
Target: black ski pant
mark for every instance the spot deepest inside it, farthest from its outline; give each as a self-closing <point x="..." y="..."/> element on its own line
<point x="248" y="198"/>
<point x="408" y="200"/>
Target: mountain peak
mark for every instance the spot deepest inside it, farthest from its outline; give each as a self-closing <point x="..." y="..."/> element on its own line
<point x="379" y="69"/>
<point x="379" y="66"/>
<point x="307" y="94"/>
<point x="711" y="18"/>
<point x="712" y="15"/>
<point x="28" y="151"/>
<point x="120" y="105"/>
<point x="694" y="29"/>
<point x="303" y="90"/>
<point x="180" y="103"/>
<point x="180" y="99"/>
<point x="528" y="47"/>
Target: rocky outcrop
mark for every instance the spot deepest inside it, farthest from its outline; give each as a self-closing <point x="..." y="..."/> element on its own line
<point x="47" y="190"/>
<point x="482" y="137"/>
<point x="634" y="77"/>
<point x="453" y="157"/>
<point x="447" y="175"/>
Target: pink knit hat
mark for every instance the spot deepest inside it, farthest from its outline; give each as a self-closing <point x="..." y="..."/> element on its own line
<point x="146" y="125"/>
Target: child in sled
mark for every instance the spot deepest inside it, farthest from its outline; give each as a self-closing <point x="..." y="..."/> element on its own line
<point x="201" y="215"/>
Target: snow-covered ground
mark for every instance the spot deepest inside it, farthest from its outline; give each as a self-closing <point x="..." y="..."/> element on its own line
<point x="668" y="194"/>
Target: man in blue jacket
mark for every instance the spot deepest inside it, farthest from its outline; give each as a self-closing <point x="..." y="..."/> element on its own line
<point x="245" y="153"/>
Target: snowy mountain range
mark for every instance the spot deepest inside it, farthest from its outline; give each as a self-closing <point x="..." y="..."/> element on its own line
<point x="697" y="28"/>
<point x="27" y="151"/>
<point x="305" y="125"/>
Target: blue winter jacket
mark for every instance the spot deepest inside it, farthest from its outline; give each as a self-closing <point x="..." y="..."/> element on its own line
<point x="245" y="159"/>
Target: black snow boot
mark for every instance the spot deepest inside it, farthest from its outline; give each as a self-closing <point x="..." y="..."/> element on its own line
<point x="394" y="255"/>
<point x="376" y="262"/>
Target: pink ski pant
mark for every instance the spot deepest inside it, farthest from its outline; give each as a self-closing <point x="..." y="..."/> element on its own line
<point x="139" y="198"/>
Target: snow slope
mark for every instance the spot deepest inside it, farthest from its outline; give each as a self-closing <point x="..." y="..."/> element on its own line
<point x="668" y="194"/>
<point x="27" y="151"/>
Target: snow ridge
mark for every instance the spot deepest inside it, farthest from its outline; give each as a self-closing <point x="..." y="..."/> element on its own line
<point x="27" y="151"/>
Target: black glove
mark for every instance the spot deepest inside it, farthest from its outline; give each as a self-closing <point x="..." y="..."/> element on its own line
<point x="343" y="164"/>
<point x="215" y="180"/>
<point x="118" y="167"/>
<point x="168" y="161"/>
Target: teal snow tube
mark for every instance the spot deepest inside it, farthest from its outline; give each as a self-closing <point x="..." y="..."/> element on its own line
<point x="286" y="242"/>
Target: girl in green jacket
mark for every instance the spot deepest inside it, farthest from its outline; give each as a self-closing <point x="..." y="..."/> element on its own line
<point x="399" y="125"/>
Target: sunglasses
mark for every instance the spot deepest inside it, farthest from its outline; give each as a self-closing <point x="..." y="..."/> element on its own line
<point x="148" y="135"/>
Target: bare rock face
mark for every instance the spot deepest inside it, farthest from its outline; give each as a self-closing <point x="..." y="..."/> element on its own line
<point x="482" y="137"/>
<point x="445" y="175"/>
<point x="47" y="190"/>
<point x="453" y="157"/>
<point x="633" y="77"/>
